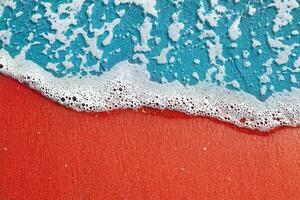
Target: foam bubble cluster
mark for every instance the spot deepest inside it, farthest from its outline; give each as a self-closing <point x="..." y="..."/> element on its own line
<point x="237" y="61"/>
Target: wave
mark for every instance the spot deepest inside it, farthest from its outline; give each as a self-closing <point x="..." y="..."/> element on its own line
<point x="238" y="62"/>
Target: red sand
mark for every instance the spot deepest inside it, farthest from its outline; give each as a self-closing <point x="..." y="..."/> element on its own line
<point x="50" y="152"/>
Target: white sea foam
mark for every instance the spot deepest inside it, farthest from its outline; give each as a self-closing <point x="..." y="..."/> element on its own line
<point x="129" y="86"/>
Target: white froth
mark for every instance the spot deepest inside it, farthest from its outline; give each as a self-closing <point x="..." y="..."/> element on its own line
<point x="175" y="28"/>
<point x="5" y="36"/>
<point x="147" y="5"/>
<point x="145" y="31"/>
<point x="234" y="30"/>
<point x="6" y="3"/>
<point x="162" y="58"/>
<point x="129" y="86"/>
<point x="284" y="9"/>
<point x="283" y="50"/>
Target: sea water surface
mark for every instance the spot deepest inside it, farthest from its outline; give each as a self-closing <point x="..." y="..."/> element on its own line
<point x="237" y="60"/>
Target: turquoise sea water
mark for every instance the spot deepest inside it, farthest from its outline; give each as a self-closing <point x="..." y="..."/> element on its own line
<point x="241" y="67"/>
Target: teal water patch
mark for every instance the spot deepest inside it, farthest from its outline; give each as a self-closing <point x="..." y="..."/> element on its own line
<point x="251" y="46"/>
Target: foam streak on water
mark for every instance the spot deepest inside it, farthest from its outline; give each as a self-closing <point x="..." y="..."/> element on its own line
<point x="238" y="61"/>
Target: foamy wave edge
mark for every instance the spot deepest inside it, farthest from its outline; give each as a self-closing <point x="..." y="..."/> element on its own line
<point x="128" y="86"/>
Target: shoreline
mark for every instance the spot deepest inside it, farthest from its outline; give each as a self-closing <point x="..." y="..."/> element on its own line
<point x="129" y="86"/>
